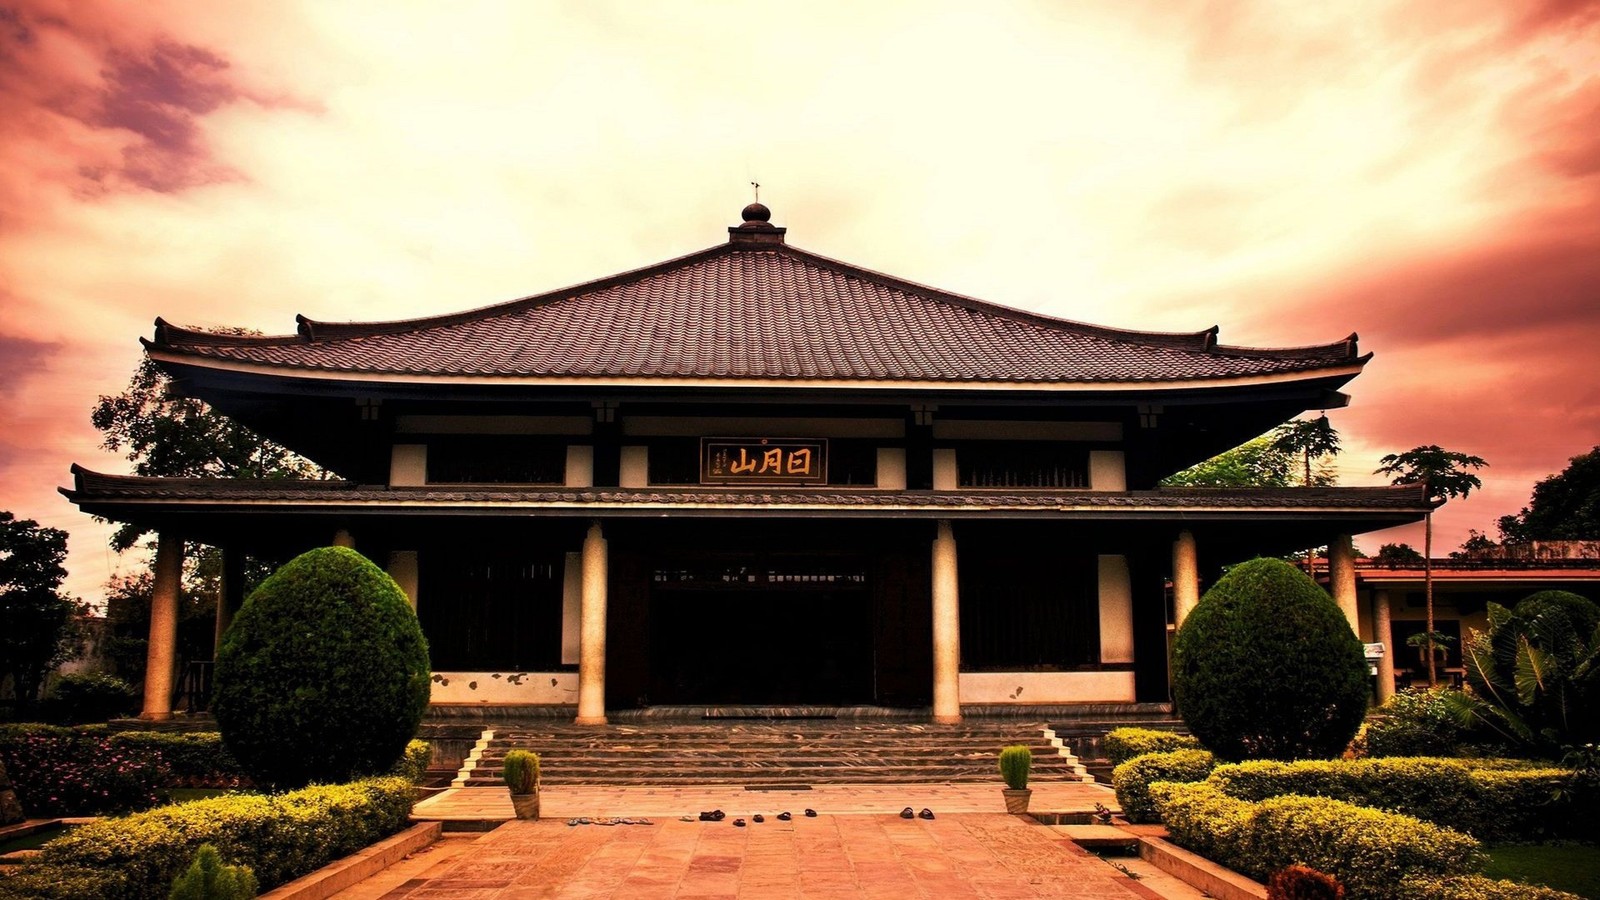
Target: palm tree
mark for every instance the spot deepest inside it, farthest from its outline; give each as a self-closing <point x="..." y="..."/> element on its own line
<point x="1444" y="473"/>
<point x="1310" y="440"/>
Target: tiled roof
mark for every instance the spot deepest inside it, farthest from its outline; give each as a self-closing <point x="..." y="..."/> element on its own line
<point x="757" y="310"/>
<point x="96" y="488"/>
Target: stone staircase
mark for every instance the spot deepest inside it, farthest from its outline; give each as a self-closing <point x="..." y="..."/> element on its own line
<point x="777" y="753"/>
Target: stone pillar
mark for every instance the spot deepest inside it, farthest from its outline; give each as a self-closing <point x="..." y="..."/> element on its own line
<point x="1185" y="576"/>
<point x="343" y="538"/>
<point x="592" y="631"/>
<point x="231" y="597"/>
<point x="1342" y="579"/>
<point x="1383" y="632"/>
<point x="162" y="653"/>
<point x="946" y="628"/>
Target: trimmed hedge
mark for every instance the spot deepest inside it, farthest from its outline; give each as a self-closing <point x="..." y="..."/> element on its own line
<point x="1132" y="779"/>
<point x="1123" y="744"/>
<point x="1479" y="887"/>
<point x="1369" y="851"/>
<point x="194" y="759"/>
<point x="279" y="837"/>
<point x="1492" y="800"/>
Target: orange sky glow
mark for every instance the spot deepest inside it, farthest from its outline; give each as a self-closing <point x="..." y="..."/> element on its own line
<point x="1426" y="174"/>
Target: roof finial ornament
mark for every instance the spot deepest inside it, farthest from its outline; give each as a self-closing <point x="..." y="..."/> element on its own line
<point x="757" y="226"/>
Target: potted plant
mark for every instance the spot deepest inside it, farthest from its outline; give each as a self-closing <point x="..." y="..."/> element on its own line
<point x="521" y="773"/>
<point x="1015" y="764"/>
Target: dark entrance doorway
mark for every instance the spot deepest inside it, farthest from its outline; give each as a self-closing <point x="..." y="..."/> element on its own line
<point x="761" y="630"/>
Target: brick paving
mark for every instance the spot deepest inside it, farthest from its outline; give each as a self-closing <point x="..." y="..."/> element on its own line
<point x="966" y="855"/>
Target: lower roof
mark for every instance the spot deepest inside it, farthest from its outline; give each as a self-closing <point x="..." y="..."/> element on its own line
<point x="132" y="498"/>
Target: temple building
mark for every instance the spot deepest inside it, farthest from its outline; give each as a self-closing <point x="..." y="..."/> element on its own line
<point x="753" y="476"/>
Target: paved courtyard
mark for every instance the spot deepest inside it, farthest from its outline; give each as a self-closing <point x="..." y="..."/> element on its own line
<point x="987" y="855"/>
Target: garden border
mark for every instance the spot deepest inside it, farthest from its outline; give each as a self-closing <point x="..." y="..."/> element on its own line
<point x="357" y="867"/>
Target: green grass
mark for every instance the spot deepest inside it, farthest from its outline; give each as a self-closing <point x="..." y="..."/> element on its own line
<point x="1574" y="868"/>
<point x="33" y="841"/>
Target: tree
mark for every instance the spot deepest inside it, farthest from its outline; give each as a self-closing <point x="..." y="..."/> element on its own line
<point x="1396" y="555"/>
<point x="1476" y="546"/>
<point x="1564" y="507"/>
<point x="1310" y="439"/>
<point x="1444" y="475"/>
<point x="1255" y="463"/>
<point x="1266" y="667"/>
<point x="1264" y="461"/>
<point x="164" y="435"/>
<point x="324" y="675"/>
<point x="39" y="626"/>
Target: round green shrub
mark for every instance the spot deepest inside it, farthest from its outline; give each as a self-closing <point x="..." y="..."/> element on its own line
<point x="323" y="675"/>
<point x="1266" y="667"/>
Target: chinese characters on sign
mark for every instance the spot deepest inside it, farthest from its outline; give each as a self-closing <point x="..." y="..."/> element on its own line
<point x="763" y="461"/>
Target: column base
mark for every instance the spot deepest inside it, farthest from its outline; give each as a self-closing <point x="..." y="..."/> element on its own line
<point x="947" y="720"/>
<point x="155" y="716"/>
<point x="590" y="720"/>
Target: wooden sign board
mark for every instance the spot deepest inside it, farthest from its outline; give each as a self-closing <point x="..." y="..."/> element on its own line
<point x="763" y="461"/>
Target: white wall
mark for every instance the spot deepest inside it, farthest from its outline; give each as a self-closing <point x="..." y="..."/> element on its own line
<point x="985" y="688"/>
<point x="527" y="688"/>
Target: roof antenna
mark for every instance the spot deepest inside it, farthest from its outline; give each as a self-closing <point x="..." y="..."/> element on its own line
<point x="757" y="186"/>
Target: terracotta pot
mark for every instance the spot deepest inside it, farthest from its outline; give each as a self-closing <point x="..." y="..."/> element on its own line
<point x="1016" y="801"/>
<point x="526" y="805"/>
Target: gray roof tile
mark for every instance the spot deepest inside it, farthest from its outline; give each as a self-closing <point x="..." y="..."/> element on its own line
<point x="753" y="311"/>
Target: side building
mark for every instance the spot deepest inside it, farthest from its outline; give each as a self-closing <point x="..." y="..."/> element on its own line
<point x="755" y="476"/>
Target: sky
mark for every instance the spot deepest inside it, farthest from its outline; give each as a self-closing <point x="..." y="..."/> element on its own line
<point x="1426" y="174"/>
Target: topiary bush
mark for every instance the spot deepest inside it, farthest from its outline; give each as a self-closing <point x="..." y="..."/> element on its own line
<point x="323" y="675"/>
<point x="1123" y="744"/>
<point x="1132" y="779"/>
<point x="1266" y="667"/>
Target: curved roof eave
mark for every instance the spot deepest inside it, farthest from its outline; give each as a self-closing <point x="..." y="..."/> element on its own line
<point x="1340" y="373"/>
